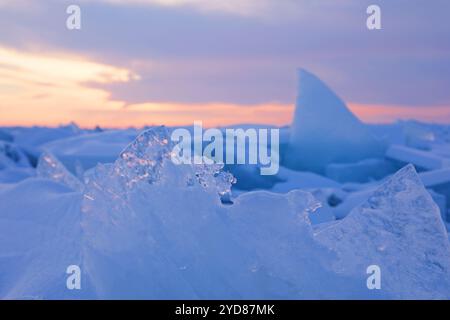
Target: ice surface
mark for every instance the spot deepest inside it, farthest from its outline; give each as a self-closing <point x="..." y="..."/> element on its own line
<point x="292" y="180"/>
<point x="15" y="174"/>
<point x="143" y="227"/>
<point x="418" y="135"/>
<point x="321" y="187"/>
<point x="87" y="149"/>
<point x="12" y="156"/>
<point x="438" y="181"/>
<point x="363" y="171"/>
<point x="324" y="213"/>
<point x="32" y="137"/>
<point x="399" y="229"/>
<point x="441" y="202"/>
<point x="40" y="235"/>
<point x="277" y="233"/>
<point x="351" y="201"/>
<point x="324" y="130"/>
<point x="169" y="221"/>
<point x="5" y="136"/>
<point x="419" y="158"/>
<point x="14" y="162"/>
<point x="435" y="177"/>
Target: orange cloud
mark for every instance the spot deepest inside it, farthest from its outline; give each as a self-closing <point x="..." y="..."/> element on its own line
<point x="49" y="90"/>
<point x="390" y="113"/>
<point x="52" y="89"/>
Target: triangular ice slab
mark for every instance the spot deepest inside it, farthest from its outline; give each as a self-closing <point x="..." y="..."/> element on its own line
<point x="325" y="131"/>
<point x="398" y="228"/>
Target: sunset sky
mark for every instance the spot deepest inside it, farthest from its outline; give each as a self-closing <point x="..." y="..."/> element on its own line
<point x="144" y="62"/>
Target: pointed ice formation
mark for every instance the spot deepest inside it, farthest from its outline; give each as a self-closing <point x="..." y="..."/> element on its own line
<point x="108" y="186"/>
<point x="49" y="167"/>
<point x="398" y="228"/>
<point x="325" y="131"/>
<point x="143" y="160"/>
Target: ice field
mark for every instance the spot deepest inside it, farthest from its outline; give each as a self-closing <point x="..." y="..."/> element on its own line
<point x="348" y="195"/>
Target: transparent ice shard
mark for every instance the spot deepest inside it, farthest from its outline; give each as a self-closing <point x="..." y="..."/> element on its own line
<point x="213" y="176"/>
<point x="49" y="167"/>
<point x="398" y="228"/>
<point x="143" y="161"/>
